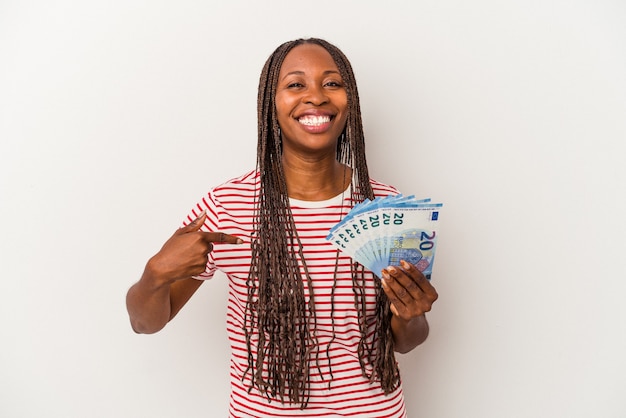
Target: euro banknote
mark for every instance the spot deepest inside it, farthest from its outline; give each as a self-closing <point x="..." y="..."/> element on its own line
<point x="380" y="233"/>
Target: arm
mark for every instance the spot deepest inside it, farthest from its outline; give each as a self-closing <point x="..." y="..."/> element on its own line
<point x="411" y="296"/>
<point x="167" y="284"/>
<point x="151" y="304"/>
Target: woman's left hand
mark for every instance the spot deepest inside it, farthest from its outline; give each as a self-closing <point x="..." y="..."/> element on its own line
<point x="410" y="293"/>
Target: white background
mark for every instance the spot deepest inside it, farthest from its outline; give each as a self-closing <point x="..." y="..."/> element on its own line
<point x="115" y="117"/>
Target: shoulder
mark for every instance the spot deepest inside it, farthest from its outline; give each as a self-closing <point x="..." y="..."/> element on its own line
<point x="234" y="191"/>
<point x="242" y="186"/>
<point x="382" y="189"/>
<point x="248" y="178"/>
<point x="236" y="195"/>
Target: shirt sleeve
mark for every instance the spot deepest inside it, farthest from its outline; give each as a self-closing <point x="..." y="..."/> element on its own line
<point x="213" y="210"/>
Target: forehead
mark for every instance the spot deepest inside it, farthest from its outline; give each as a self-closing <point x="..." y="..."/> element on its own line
<point x="308" y="57"/>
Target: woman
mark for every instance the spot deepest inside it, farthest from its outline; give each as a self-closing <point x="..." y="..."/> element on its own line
<point x="312" y="332"/>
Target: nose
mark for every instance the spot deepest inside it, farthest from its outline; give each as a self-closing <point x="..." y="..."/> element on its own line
<point x="315" y="95"/>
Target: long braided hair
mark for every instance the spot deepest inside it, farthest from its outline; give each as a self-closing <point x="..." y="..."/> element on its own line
<point x="277" y="312"/>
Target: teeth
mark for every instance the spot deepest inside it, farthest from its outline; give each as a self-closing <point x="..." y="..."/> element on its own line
<point x="314" y="120"/>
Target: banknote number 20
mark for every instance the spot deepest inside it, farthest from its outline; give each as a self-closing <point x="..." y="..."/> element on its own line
<point x="426" y="241"/>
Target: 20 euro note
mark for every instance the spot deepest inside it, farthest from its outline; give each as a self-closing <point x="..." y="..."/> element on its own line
<point x="417" y="246"/>
<point x="382" y="232"/>
<point x="363" y="223"/>
<point x="407" y="233"/>
<point x="357" y="228"/>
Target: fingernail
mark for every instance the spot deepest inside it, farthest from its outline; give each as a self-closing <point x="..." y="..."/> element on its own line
<point x="239" y="241"/>
<point x="392" y="270"/>
<point x="405" y="264"/>
<point x="385" y="274"/>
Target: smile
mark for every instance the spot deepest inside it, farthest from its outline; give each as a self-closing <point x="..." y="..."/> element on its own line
<point x="310" y="120"/>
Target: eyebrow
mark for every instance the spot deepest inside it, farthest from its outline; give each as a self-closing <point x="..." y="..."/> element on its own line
<point x="300" y="72"/>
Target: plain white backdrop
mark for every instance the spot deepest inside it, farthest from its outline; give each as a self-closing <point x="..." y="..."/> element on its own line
<point x="115" y="117"/>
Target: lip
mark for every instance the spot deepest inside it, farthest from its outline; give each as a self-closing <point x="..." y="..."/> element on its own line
<point x="315" y="129"/>
<point x="315" y="112"/>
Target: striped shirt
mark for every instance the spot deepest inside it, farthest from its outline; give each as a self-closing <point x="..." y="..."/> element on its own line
<point x="230" y="209"/>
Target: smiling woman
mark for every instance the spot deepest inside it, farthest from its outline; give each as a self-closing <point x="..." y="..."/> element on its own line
<point x="312" y="332"/>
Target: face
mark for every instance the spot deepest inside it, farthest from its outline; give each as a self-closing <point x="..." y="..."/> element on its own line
<point x="311" y="101"/>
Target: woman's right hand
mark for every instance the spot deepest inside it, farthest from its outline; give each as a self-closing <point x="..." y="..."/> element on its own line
<point x="185" y="253"/>
<point x="167" y="282"/>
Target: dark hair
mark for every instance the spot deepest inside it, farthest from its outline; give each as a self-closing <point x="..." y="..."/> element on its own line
<point x="276" y="309"/>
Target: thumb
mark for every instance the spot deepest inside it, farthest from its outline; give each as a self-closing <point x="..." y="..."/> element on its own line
<point x="194" y="225"/>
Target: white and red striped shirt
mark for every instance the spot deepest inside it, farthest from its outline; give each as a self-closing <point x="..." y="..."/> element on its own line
<point x="230" y="209"/>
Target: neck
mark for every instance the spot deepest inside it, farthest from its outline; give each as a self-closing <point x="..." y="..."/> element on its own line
<point x="315" y="180"/>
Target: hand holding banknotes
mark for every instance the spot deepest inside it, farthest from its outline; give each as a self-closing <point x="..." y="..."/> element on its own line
<point x="395" y="237"/>
<point x="410" y="293"/>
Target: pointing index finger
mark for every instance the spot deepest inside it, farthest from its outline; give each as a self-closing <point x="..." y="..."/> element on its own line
<point x="220" y="237"/>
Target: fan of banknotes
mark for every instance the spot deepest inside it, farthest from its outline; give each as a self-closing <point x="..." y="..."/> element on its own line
<point x="379" y="233"/>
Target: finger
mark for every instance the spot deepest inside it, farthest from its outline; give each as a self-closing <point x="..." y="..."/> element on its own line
<point x="397" y="294"/>
<point x="412" y="276"/>
<point x="194" y="225"/>
<point x="420" y="288"/>
<point x="405" y="303"/>
<point x="394" y="310"/>
<point x="418" y="278"/>
<point x="220" y="237"/>
<point x="406" y="281"/>
<point x="397" y="306"/>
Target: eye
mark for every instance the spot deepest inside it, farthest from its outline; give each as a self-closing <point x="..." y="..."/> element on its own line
<point x="333" y="84"/>
<point x="295" y="85"/>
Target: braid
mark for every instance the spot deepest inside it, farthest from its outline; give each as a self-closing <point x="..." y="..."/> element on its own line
<point x="277" y="312"/>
